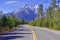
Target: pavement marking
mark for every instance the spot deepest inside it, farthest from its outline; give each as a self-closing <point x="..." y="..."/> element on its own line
<point x="34" y="34"/>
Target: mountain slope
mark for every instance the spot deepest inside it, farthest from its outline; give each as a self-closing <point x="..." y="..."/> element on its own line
<point x="26" y="12"/>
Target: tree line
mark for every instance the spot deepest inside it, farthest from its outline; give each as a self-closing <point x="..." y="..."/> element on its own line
<point x="50" y="19"/>
<point x="9" y="22"/>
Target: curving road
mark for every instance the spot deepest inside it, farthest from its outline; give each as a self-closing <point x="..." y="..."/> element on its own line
<point x="26" y="32"/>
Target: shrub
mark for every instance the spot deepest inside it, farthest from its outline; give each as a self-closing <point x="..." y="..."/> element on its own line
<point x="32" y="23"/>
<point x="57" y="27"/>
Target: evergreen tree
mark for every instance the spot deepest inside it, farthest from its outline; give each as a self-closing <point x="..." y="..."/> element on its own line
<point x="53" y="4"/>
<point x="57" y="19"/>
<point x="40" y="11"/>
<point x="4" y="21"/>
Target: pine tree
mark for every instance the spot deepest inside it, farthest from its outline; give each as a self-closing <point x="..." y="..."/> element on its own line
<point x="40" y="11"/>
<point x="51" y="14"/>
<point x="40" y="16"/>
<point x="57" y="19"/>
<point x="3" y="21"/>
<point x="53" y="4"/>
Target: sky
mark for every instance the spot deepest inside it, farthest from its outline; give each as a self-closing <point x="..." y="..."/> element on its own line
<point x="10" y="5"/>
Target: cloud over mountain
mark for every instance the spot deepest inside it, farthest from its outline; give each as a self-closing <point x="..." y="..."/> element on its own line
<point x="11" y="2"/>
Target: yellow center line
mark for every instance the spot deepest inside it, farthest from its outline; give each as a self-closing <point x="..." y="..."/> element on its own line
<point x="34" y="34"/>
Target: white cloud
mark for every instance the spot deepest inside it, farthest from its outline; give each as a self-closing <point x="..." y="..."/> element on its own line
<point x="11" y="2"/>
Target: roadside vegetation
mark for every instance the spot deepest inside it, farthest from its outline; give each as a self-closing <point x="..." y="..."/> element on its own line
<point x="51" y="18"/>
<point x="9" y="22"/>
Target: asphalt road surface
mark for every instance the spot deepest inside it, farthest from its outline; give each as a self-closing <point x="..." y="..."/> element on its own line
<point x="24" y="32"/>
<point x="46" y="35"/>
<point x="21" y="33"/>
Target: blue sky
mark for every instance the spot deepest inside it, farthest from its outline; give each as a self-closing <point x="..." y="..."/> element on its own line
<point x="9" y="5"/>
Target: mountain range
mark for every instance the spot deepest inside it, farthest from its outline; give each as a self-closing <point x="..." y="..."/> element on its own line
<point x="26" y="12"/>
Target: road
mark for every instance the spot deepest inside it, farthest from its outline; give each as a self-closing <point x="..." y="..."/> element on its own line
<point x="25" y="32"/>
<point x="46" y="35"/>
<point x="21" y="33"/>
